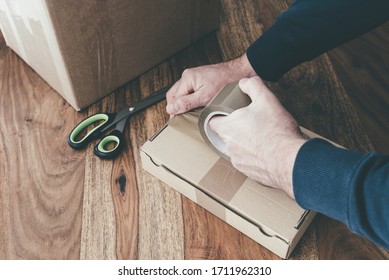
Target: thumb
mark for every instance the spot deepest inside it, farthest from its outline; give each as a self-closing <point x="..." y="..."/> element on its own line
<point x="216" y="124"/>
<point x="253" y="87"/>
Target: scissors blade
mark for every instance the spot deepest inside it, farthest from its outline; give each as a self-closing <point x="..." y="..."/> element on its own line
<point x="138" y="106"/>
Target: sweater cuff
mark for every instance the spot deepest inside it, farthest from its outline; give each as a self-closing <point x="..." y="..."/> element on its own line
<point x="321" y="178"/>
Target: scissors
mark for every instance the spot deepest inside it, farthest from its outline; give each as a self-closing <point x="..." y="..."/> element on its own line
<point x="105" y="122"/>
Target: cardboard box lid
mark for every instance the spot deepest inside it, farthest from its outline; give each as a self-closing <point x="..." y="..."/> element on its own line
<point x="180" y="149"/>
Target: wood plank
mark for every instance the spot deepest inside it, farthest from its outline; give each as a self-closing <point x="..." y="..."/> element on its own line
<point x="210" y="238"/>
<point x="41" y="180"/>
<point x="362" y="66"/>
<point x="98" y="235"/>
<point x="124" y="190"/>
<point x="337" y="242"/>
<point x="239" y="27"/>
<point x="126" y="201"/>
<point x="161" y="234"/>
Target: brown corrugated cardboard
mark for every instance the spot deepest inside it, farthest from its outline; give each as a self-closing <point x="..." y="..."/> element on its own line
<point x="179" y="156"/>
<point x="86" y="49"/>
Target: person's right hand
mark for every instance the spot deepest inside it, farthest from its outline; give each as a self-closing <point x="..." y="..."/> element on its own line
<point x="199" y="85"/>
<point x="262" y="139"/>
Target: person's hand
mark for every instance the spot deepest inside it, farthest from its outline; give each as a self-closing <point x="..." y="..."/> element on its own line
<point x="261" y="139"/>
<point x="199" y="85"/>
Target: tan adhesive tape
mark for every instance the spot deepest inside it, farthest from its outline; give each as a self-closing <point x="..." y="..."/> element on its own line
<point x="229" y="99"/>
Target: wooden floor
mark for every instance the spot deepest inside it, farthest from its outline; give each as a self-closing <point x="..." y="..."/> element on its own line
<point x="60" y="204"/>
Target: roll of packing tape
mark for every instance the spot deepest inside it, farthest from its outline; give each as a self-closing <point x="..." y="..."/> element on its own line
<point x="229" y="99"/>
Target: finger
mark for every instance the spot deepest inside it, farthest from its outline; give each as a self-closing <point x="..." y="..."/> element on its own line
<point x="176" y="92"/>
<point x="177" y="102"/>
<point x="180" y="88"/>
<point x="171" y="93"/>
<point x="186" y="85"/>
<point x="253" y="87"/>
<point x="184" y="104"/>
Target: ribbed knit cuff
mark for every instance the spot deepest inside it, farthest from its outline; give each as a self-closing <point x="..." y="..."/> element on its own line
<point x="321" y="178"/>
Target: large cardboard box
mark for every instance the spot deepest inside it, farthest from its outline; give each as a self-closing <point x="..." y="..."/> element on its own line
<point x="178" y="155"/>
<point x="87" y="49"/>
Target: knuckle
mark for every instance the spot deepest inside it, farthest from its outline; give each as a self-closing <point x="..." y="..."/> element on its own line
<point x="185" y="104"/>
<point x="186" y="72"/>
<point x="172" y="92"/>
<point x="170" y="96"/>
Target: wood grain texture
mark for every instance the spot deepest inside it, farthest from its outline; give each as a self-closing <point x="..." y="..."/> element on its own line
<point x="41" y="179"/>
<point x="124" y="190"/>
<point x="336" y="242"/>
<point x="98" y="235"/>
<point x="57" y="203"/>
<point x="363" y="65"/>
<point x="161" y="234"/>
<point x="208" y="237"/>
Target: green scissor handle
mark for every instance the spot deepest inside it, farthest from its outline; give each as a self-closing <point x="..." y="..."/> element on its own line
<point x="107" y="121"/>
<point x="103" y="118"/>
<point x="117" y="138"/>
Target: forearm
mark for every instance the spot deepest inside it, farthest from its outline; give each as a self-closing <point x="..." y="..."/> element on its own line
<point x="309" y="28"/>
<point x="348" y="186"/>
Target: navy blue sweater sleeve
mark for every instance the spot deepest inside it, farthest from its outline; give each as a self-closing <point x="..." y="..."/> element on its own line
<point x="309" y="28"/>
<point x="348" y="186"/>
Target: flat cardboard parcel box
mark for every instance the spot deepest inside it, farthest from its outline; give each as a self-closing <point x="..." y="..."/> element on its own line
<point x="178" y="155"/>
<point x="87" y="49"/>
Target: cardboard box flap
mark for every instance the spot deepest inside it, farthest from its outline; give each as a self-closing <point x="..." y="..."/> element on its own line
<point x="270" y="209"/>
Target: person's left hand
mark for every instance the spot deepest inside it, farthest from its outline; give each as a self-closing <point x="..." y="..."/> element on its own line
<point x="199" y="85"/>
<point x="261" y="139"/>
